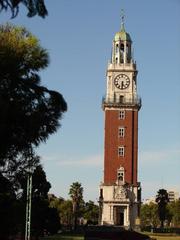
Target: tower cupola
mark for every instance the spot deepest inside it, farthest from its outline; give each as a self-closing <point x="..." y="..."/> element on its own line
<point x="121" y="50"/>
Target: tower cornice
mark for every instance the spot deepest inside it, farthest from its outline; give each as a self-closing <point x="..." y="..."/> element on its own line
<point x="134" y="103"/>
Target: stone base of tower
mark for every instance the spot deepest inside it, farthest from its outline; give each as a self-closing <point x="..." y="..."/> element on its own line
<point x="119" y="205"/>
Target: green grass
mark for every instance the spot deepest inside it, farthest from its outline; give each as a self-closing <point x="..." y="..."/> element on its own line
<point x="63" y="237"/>
<point x="162" y="236"/>
<point x="165" y="237"/>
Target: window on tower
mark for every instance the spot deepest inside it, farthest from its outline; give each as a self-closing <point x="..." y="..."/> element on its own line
<point x="122" y="47"/>
<point x="117" y="48"/>
<point x="121" y="114"/>
<point x="122" y="53"/>
<point x="121" y="151"/>
<point x="121" y="99"/>
<point x="128" y="52"/>
<point x="101" y="193"/>
<point x="120" y="175"/>
<point x="121" y="131"/>
<point x="127" y="48"/>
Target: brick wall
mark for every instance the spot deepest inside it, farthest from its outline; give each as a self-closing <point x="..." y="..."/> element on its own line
<point x="112" y="161"/>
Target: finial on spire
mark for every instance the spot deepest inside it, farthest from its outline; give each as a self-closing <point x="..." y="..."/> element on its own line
<point x="122" y="20"/>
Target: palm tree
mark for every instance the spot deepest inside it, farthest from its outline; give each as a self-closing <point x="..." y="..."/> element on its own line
<point x="34" y="7"/>
<point x="76" y="194"/>
<point x="162" y="200"/>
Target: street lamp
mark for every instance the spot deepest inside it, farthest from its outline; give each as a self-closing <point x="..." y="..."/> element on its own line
<point x="29" y="196"/>
<point x="28" y="206"/>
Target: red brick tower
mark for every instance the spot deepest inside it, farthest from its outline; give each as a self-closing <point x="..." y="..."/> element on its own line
<point x="120" y="191"/>
<point x="121" y="126"/>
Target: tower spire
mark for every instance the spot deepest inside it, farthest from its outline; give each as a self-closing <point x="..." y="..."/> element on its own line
<point x="122" y="20"/>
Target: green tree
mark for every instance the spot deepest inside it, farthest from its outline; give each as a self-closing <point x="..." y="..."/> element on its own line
<point x="76" y="194"/>
<point x="64" y="208"/>
<point x="29" y="111"/>
<point x="7" y="208"/>
<point x="34" y="7"/>
<point x="149" y="215"/>
<point x="91" y="212"/>
<point x="52" y="221"/>
<point x="174" y="213"/>
<point x="13" y="202"/>
<point x="162" y="201"/>
<point x="54" y="202"/>
<point x="66" y="213"/>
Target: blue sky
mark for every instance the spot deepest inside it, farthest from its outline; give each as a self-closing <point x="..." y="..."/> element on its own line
<point x="78" y="36"/>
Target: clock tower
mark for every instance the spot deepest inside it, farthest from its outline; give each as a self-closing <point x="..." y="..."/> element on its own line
<point x="120" y="191"/>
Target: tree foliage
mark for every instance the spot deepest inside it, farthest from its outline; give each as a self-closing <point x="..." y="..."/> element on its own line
<point x="42" y="216"/>
<point x="91" y="212"/>
<point x="7" y="208"/>
<point x="162" y="200"/>
<point x="76" y="195"/>
<point x="29" y="111"/>
<point x="66" y="213"/>
<point x="149" y="215"/>
<point x="64" y="208"/>
<point x="34" y="7"/>
<point x="174" y="213"/>
<point x="87" y="211"/>
<point x="13" y="206"/>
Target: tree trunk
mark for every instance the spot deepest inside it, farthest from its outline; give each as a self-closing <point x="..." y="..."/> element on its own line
<point x="74" y="215"/>
<point x="162" y="224"/>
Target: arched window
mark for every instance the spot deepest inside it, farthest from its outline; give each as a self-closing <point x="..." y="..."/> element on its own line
<point x="128" y="52"/>
<point x="117" y="48"/>
<point x="122" y="53"/>
<point x="122" y="47"/>
<point x="120" y="175"/>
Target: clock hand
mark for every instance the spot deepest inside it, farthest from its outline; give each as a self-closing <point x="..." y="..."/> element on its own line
<point x="122" y="84"/>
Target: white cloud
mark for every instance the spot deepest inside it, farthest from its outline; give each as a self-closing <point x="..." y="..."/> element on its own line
<point x="93" y="161"/>
<point x="96" y="160"/>
<point x="157" y="169"/>
<point x="160" y="155"/>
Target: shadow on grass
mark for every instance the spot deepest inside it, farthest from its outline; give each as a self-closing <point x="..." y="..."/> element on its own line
<point x="63" y="237"/>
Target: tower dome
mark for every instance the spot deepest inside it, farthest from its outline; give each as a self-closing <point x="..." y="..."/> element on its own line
<point x="122" y="35"/>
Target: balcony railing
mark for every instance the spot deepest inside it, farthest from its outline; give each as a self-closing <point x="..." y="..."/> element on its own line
<point x="126" y="66"/>
<point x="121" y="101"/>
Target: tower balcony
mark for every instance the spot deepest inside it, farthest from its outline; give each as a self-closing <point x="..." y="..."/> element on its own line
<point x="122" y="66"/>
<point x="134" y="102"/>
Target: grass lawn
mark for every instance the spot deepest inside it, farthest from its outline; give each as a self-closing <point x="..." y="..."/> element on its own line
<point x="163" y="236"/>
<point x="71" y="237"/>
<point x="63" y="237"/>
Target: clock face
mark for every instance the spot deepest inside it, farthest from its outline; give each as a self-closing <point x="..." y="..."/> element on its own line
<point x="122" y="81"/>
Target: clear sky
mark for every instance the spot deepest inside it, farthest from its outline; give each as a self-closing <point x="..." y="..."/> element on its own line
<point x="78" y="35"/>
